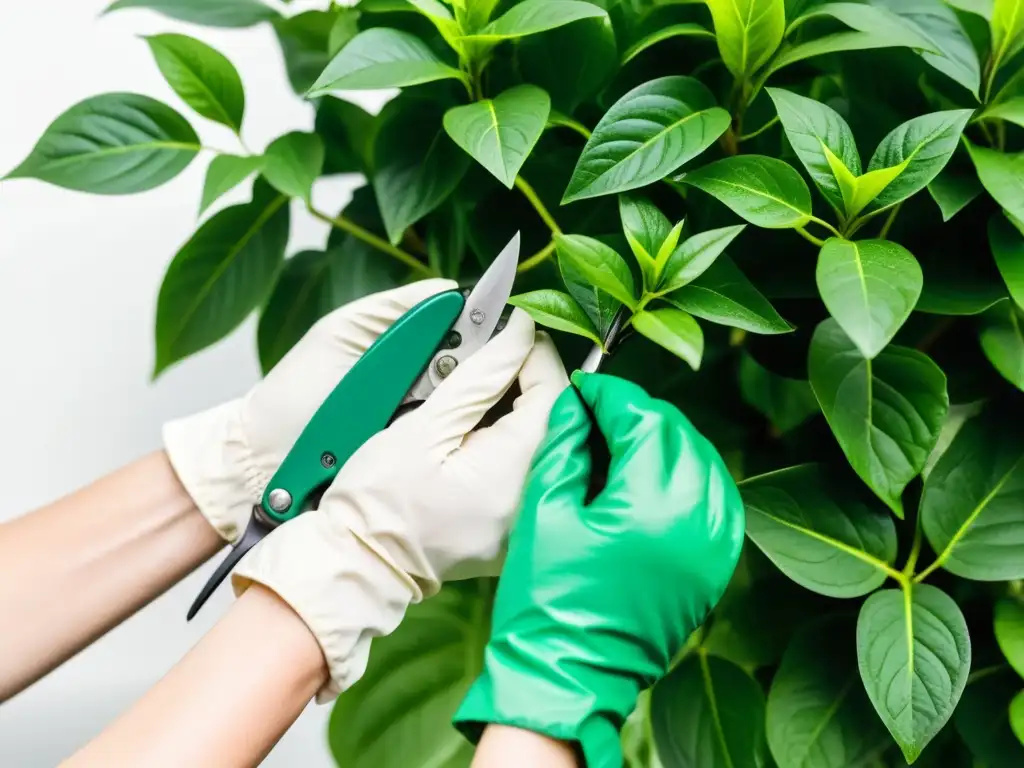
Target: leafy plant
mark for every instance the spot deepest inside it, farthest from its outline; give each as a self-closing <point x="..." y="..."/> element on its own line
<point x="809" y="217"/>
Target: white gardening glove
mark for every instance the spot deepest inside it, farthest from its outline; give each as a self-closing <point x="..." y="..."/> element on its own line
<point x="226" y="456"/>
<point x="425" y="500"/>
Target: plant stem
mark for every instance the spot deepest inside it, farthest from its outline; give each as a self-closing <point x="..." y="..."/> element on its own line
<point x="759" y="131"/>
<point x="915" y="551"/>
<point x="984" y="672"/>
<point x="537" y="259"/>
<point x="809" y="237"/>
<point x="535" y="201"/>
<point x="340" y="222"/>
<point x="889" y="221"/>
<point x="826" y="225"/>
<point x="573" y="125"/>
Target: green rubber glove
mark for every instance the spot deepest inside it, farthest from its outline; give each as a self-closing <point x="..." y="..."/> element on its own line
<point x="595" y="599"/>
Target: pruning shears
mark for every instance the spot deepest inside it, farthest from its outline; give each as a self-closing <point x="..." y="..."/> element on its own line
<point x="400" y="370"/>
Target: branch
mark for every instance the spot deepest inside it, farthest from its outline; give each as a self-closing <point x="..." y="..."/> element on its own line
<point x="538" y="258"/>
<point x="340" y="222"/>
<point x="809" y="237"/>
<point x="535" y="201"/>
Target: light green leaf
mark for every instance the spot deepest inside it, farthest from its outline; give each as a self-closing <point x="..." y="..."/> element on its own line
<point x="821" y="532"/>
<point x="416" y="165"/>
<point x="861" y="191"/>
<point x="1002" y="341"/>
<point x="748" y="32"/>
<point x="600" y="264"/>
<point x="870" y="19"/>
<point x="674" y="330"/>
<point x="818" y="715"/>
<point x="1017" y="716"/>
<point x="646" y="229"/>
<point x="557" y="310"/>
<point x="982" y="8"/>
<point x="202" y="77"/>
<point x="382" y="58"/>
<point x="813" y="129"/>
<point x="1009" y="626"/>
<point x="399" y="713"/>
<point x="112" y="144"/>
<point x="1007" y="244"/>
<point x="886" y="413"/>
<point x="915" y="655"/>
<point x="923" y="145"/>
<point x="222" y="13"/>
<point x="1002" y="175"/>
<point x="473" y="14"/>
<point x="225" y="173"/>
<point x="223" y="273"/>
<point x="665" y="33"/>
<point x="343" y="30"/>
<point x="695" y="255"/>
<point x="1007" y="30"/>
<point x="292" y="163"/>
<point x="531" y="17"/>
<point x="970" y="508"/>
<point x="870" y="287"/>
<point x="500" y="133"/>
<point x="1012" y="111"/>
<point x="786" y="403"/>
<point x="983" y="720"/>
<point x="708" y="713"/>
<point x="306" y="39"/>
<point x="766" y="192"/>
<point x="646" y="135"/>
<point x="723" y="295"/>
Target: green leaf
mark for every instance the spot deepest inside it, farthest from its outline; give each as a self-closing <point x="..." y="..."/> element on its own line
<point x="665" y="33"/>
<point x="1007" y="30"/>
<point x="220" y="275"/>
<point x="343" y="30"/>
<point x="557" y="310"/>
<point x="956" y="186"/>
<point x="970" y="506"/>
<point x="1002" y="175"/>
<point x="446" y="240"/>
<point x="886" y="413"/>
<point x="1017" y="717"/>
<point x="674" y="330"/>
<point x="500" y="133"/>
<point x="293" y="162"/>
<point x="416" y="165"/>
<point x="824" y="534"/>
<point x="708" y="713"/>
<point x="922" y="146"/>
<point x="1007" y="243"/>
<point x="982" y="8"/>
<point x="225" y="173"/>
<point x="818" y="715"/>
<point x="202" y="77"/>
<point x="399" y="713"/>
<point x="382" y="58"/>
<point x="811" y="128"/>
<point x="870" y="287"/>
<point x="474" y="14"/>
<point x="646" y="229"/>
<point x="600" y="306"/>
<point x="112" y="144"/>
<point x="725" y="296"/>
<point x="531" y="17"/>
<point x="786" y="403"/>
<point x="222" y="13"/>
<point x="571" y="63"/>
<point x="442" y="19"/>
<point x="347" y="131"/>
<point x="1009" y="627"/>
<point x="748" y="32"/>
<point x="984" y="720"/>
<point x="695" y="255"/>
<point x="600" y="264"/>
<point x="305" y="41"/>
<point x="915" y="655"/>
<point x="646" y="135"/>
<point x="766" y="192"/>
<point x="1002" y="341"/>
<point x="1012" y="111"/>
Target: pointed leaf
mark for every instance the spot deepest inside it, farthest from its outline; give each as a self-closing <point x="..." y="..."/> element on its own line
<point x="984" y="717"/>
<point x="1007" y="30"/>
<point x="225" y="173"/>
<point x="646" y="135"/>
<point x="347" y="131"/>
<point x="557" y="310"/>
<point x="786" y="403"/>
<point x="1007" y="243"/>
<point x="674" y="330"/>
<point x="1002" y="175"/>
<point x="956" y="186"/>
<point x="112" y="144"/>
<point x="382" y="58"/>
<point x="500" y="133"/>
<point x="695" y="255"/>
<point x="600" y="264"/>
<point x="766" y="192"/>
<point x="533" y="16"/>
<point x="886" y="413"/>
<point x="293" y="162"/>
<point x="223" y="13"/>
<point x="665" y="33"/>
<point x="1012" y="111"/>
<point x="646" y="229"/>
<point x="870" y="287"/>
<point x="821" y="532"/>
<point x="748" y="32"/>
<point x="1002" y="341"/>
<point x="981" y="7"/>
<point x="600" y="306"/>
<point x="871" y="19"/>
<point x="1009" y="626"/>
<point x="306" y="40"/>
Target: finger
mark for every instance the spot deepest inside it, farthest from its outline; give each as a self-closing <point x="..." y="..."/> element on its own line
<point x="560" y="471"/>
<point x="462" y="399"/>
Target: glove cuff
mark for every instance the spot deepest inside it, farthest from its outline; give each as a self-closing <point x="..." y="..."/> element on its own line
<point x="209" y="454"/>
<point x="342" y="587"/>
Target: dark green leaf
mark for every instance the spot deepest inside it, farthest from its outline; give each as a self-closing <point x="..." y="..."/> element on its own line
<point x="748" y="32"/>
<point x="1009" y="626"/>
<point x="210" y="13"/>
<point x="571" y="63"/>
<point x="915" y="655"/>
<point x="113" y="144"/>
<point x="674" y="330"/>
<point x="531" y="17"/>
<point x="1007" y="243"/>
<point x="766" y="192"/>
<point x="225" y="173"/>
<point x="305" y="40"/>
<point x="293" y="162"/>
<point x="600" y="264"/>
<point x="223" y="273"/>
<point x="708" y="713"/>
<point x="446" y="241"/>
<point x="886" y="413"/>
<point x="984" y="720"/>
<point x="956" y="186"/>
<point x="646" y="135"/>
<point x="665" y="33"/>
<point x="821" y="532"/>
<point x="347" y="131"/>
<point x="1002" y="340"/>
<point x="557" y="310"/>
<point x="1002" y="175"/>
<point x="600" y="306"/>
<point x="786" y="403"/>
<point x="694" y="256"/>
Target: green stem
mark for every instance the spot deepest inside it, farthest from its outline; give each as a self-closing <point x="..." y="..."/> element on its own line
<point x="535" y="201"/>
<point x="889" y="221"/>
<point x="984" y="672"/>
<point x="340" y="222"/>
<point x="759" y="131"/>
<point x="809" y="237"/>
<point x="572" y="125"/>
<point x="929" y="570"/>
<point x="826" y="225"/>
<point x="915" y="551"/>
<point x="537" y="259"/>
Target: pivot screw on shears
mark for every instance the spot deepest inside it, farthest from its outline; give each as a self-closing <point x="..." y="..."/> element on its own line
<point x="280" y="499"/>
<point x="328" y="460"/>
<point x="445" y="365"/>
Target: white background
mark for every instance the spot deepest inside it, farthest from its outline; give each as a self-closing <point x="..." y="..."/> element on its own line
<point x="79" y="276"/>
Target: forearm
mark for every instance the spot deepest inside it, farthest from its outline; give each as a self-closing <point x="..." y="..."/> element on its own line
<point x="505" y="747"/>
<point x="82" y="565"/>
<point x="227" y="702"/>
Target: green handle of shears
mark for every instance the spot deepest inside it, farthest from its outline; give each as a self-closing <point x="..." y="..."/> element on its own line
<point x="363" y="402"/>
